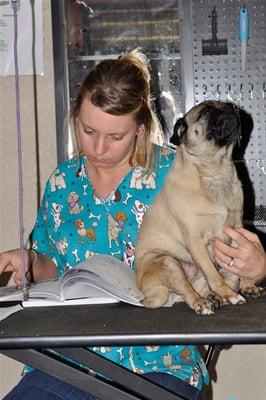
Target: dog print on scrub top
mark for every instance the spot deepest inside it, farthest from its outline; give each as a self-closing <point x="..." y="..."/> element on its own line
<point x="76" y="222"/>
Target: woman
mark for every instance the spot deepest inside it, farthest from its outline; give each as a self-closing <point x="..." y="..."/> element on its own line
<point x="95" y="203"/>
<point x="247" y="259"/>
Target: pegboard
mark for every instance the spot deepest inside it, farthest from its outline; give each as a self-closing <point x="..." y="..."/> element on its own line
<point x="221" y="77"/>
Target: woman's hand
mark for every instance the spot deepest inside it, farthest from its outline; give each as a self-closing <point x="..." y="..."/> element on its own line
<point x="38" y="267"/>
<point x="11" y="261"/>
<point x="246" y="257"/>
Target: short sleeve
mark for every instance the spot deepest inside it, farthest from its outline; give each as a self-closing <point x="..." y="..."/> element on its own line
<point x="40" y="239"/>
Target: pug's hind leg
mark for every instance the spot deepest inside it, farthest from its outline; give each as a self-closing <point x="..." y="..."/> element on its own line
<point x="249" y="289"/>
<point x="156" y="296"/>
<point x="163" y="275"/>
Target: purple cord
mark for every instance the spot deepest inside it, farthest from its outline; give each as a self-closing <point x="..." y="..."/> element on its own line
<point x="20" y="164"/>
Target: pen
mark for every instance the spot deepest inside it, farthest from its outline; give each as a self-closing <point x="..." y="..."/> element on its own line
<point x="243" y="35"/>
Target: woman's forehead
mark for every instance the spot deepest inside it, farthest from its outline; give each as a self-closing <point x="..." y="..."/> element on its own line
<point x="94" y="117"/>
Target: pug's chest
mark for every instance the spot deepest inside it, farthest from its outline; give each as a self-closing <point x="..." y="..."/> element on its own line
<point x="215" y="211"/>
<point x="213" y="227"/>
<point x="219" y="214"/>
<point x="224" y="192"/>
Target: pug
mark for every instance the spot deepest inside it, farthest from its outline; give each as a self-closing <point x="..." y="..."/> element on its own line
<point x="202" y="192"/>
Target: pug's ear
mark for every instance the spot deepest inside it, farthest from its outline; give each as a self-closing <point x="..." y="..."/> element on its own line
<point x="180" y="129"/>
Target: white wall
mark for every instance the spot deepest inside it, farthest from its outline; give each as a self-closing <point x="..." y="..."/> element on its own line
<point x="239" y="374"/>
<point x="240" y="370"/>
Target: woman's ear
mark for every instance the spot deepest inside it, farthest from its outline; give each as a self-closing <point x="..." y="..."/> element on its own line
<point x="140" y="130"/>
<point x="75" y="131"/>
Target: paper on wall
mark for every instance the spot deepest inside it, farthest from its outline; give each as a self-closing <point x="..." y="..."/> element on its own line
<point x="30" y="37"/>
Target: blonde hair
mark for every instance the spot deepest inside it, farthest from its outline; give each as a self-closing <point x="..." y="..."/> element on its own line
<point x="122" y="87"/>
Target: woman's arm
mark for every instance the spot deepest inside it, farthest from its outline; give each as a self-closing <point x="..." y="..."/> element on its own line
<point x="249" y="257"/>
<point x="37" y="266"/>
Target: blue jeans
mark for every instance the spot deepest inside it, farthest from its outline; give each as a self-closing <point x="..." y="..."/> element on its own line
<point x="36" y="385"/>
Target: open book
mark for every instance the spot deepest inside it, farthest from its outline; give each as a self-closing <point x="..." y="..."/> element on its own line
<point x="99" y="279"/>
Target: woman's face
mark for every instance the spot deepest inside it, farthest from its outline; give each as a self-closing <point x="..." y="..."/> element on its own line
<point x="106" y="140"/>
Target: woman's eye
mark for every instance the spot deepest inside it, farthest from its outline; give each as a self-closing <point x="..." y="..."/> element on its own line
<point x="88" y="132"/>
<point x="116" y="138"/>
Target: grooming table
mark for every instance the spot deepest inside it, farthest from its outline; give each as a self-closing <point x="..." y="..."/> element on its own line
<point x="26" y="335"/>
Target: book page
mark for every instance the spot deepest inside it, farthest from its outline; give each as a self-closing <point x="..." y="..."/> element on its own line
<point x="42" y="290"/>
<point x="45" y="290"/>
<point x="72" y="302"/>
<point x="10" y="293"/>
<point x="6" y="311"/>
<point x="107" y="273"/>
<point x="99" y="279"/>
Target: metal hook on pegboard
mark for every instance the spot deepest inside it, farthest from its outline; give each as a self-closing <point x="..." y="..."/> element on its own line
<point x="264" y="90"/>
<point x="261" y="165"/>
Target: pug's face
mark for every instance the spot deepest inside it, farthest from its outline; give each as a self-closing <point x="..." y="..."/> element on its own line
<point x="214" y="122"/>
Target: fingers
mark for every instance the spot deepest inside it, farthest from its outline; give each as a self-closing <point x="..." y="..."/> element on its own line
<point x="242" y="236"/>
<point x="17" y="279"/>
<point x="249" y="235"/>
<point x="5" y="263"/>
<point x="223" y="256"/>
<point x="224" y="251"/>
<point x="220" y="252"/>
<point x="226" y="266"/>
<point x="11" y="261"/>
<point x="248" y="256"/>
<point x="237" y="235"/>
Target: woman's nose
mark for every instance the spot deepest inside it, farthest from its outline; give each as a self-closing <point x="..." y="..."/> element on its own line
<point x="100" y="146"/>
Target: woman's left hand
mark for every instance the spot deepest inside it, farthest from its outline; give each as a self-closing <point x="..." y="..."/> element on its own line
<point x="245" y="258"/>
